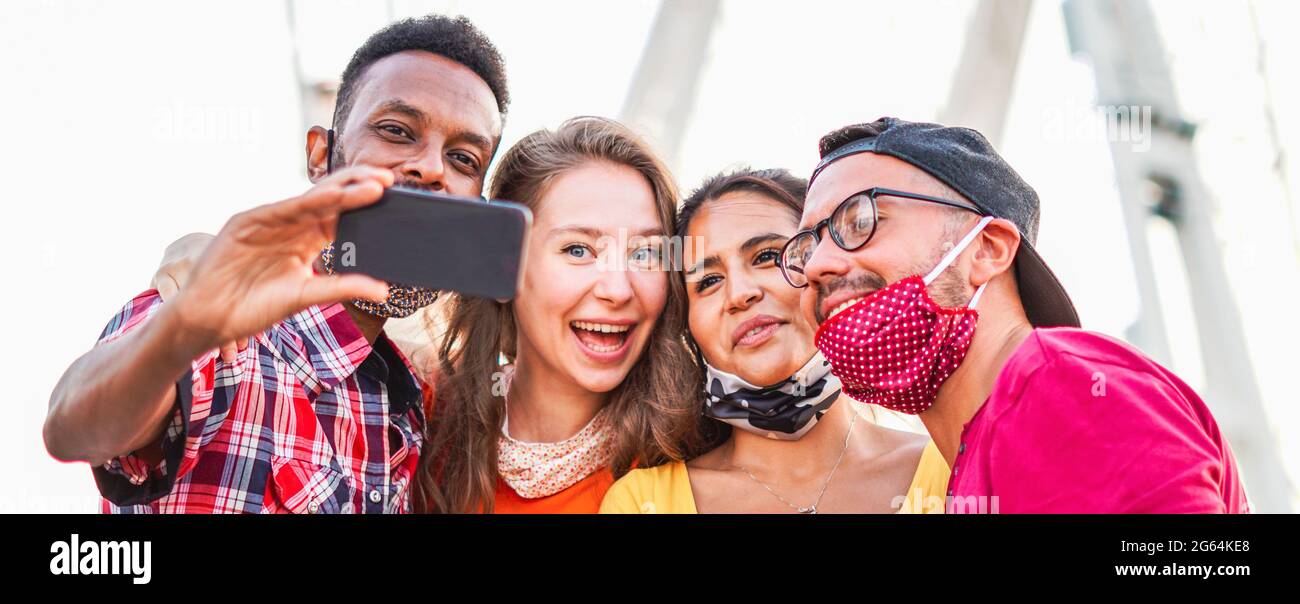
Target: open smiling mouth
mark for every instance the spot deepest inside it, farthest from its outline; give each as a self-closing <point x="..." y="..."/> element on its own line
<point x="601" y="338"/>
<point x="847" y="304"/>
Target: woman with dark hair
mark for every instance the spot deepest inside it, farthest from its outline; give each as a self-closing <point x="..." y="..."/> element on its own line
<point x="786" y="439"/>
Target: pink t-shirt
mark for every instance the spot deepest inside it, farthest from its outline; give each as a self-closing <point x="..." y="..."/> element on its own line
<point x="1079" y="422"/>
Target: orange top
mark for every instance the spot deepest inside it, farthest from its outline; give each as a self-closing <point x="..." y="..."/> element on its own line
<point x="583" y="497"/>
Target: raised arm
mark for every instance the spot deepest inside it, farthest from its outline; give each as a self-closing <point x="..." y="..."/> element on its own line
<point x="257" y="271"/>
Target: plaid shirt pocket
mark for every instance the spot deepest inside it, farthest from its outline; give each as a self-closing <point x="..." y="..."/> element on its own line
<point x="300" y="487"/>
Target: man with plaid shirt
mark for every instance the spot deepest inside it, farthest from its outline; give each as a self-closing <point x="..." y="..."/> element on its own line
<point x="317" y="411"/>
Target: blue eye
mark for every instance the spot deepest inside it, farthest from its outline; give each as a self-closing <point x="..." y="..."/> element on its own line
<point x="646" y="258"/>
<point x="766" y="256"/>
<point x="577" y="251"/>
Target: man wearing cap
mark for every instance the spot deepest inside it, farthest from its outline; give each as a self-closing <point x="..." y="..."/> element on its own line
<point x="917" y="258"/>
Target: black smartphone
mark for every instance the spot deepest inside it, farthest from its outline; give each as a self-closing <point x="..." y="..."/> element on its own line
<point x="441" y="242"/>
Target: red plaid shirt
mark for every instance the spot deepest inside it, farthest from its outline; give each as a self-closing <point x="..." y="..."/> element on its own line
<point x="311" y="418"/>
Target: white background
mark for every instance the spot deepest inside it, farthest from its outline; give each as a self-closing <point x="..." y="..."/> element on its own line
<point x="126" y="125"/>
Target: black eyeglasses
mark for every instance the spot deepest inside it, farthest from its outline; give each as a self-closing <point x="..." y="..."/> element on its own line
<point x="851" y="226"/>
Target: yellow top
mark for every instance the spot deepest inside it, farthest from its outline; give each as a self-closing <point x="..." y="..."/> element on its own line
<point x="666" y="489"/>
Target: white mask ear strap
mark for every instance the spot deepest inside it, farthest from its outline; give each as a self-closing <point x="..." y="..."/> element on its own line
<point x="957" y="250"/>
<point x="976" y="298"/>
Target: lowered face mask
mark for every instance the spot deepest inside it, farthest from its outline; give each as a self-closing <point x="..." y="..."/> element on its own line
<point x="785" y="411"/>
<point x="402" y="301"/>
<point x="897" y="346"/>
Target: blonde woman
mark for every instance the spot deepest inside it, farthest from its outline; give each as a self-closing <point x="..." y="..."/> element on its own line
<point x="541" y="402"/>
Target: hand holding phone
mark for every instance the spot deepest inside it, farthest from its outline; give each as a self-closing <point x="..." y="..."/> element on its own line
<point x="436" y="241"/>
<point x="258" y="269"/>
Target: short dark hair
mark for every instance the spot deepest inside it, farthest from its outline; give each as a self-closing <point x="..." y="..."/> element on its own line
<point x="776" y="183"/>
<point x="452" y="37"/>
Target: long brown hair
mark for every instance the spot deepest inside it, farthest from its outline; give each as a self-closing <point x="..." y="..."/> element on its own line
<point x="653" y="411"/>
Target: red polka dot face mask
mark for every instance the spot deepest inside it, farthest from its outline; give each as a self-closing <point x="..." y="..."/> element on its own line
<point x="896" y="346"/>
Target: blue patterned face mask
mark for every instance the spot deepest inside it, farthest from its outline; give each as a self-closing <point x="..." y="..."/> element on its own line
<point x="785" y="411"/>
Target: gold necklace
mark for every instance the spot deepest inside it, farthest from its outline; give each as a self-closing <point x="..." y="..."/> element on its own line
<point x="812" y="509"/>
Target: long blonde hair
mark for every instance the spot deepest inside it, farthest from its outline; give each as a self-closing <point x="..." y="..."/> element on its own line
<point x="653" y="412"/>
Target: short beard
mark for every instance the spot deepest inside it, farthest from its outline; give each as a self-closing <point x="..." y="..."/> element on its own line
<point x="951" y="289"/>
<point x="870" y="282"/>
